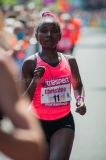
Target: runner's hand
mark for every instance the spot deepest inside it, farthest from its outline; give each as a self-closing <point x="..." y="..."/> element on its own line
<point x="81" y="108"/>
<point x="38" y="73"/>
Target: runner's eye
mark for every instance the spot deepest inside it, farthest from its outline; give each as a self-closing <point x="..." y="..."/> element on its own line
<point x="44" y="31"/>
<point x="54" y="31"/>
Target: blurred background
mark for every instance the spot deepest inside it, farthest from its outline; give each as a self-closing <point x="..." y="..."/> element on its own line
<point x="18" y="19"/>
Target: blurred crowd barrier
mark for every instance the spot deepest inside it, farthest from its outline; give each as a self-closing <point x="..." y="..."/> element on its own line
<point x="17" y="28"/>
<point x="96" y="18"/>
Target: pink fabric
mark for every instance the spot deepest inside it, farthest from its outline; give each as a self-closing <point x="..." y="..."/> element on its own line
<point x="49" y="14"/>
<point x="45" y="111"/>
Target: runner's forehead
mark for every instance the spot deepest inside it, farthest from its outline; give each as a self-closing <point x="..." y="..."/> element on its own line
<point x="44" y="23"/>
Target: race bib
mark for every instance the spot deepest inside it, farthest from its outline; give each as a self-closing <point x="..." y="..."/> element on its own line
<point x="56" y="94"/>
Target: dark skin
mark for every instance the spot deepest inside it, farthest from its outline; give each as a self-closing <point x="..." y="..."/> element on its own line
<point x="27" y="137"/>
<point x="48" y="36"/>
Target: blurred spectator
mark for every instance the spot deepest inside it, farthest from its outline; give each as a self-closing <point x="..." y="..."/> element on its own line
<point x="67" y="30"/>
<point x="6" y="38"/>
<point x="70" y="28"/>
<point x="19" y="23"/>
<point x="77" y="23"/>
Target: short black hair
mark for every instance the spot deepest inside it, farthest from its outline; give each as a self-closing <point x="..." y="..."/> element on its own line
<point x="43" y="19"/>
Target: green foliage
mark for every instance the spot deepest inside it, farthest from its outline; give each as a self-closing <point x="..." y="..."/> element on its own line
<point x="38" y="3"/>
<point x="8" y="2"/>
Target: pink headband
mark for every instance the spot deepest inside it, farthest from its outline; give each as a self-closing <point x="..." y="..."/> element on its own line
<point x="47" y="14"/>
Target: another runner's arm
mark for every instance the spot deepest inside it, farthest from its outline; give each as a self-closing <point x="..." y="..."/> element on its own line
<point x="10" y="105"/>
<point x="28" y="138"/>
<point x="24" y="147"/>
<point x="76" y="78"/>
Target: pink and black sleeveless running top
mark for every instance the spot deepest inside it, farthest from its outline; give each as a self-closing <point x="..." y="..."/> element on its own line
<point x="52" y="96"/>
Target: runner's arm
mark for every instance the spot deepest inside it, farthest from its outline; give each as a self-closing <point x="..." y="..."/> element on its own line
<point x="27" y="78"/>
<point x="28" y="139"/>
<point x="22" y="144"/>
<point x="77" y="87"/>
<point x="31" y="76"/>
<point x="76" y="78"/>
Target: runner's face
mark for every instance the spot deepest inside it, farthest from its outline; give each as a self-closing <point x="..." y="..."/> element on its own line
<point x="48" y="34"/>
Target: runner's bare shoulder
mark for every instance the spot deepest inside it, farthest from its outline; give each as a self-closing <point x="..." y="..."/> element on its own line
<point x="71" y="59"/>
<point x="29" y="63"/>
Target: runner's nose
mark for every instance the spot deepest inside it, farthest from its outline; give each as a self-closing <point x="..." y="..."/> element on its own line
<point x="49" y="34"/>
